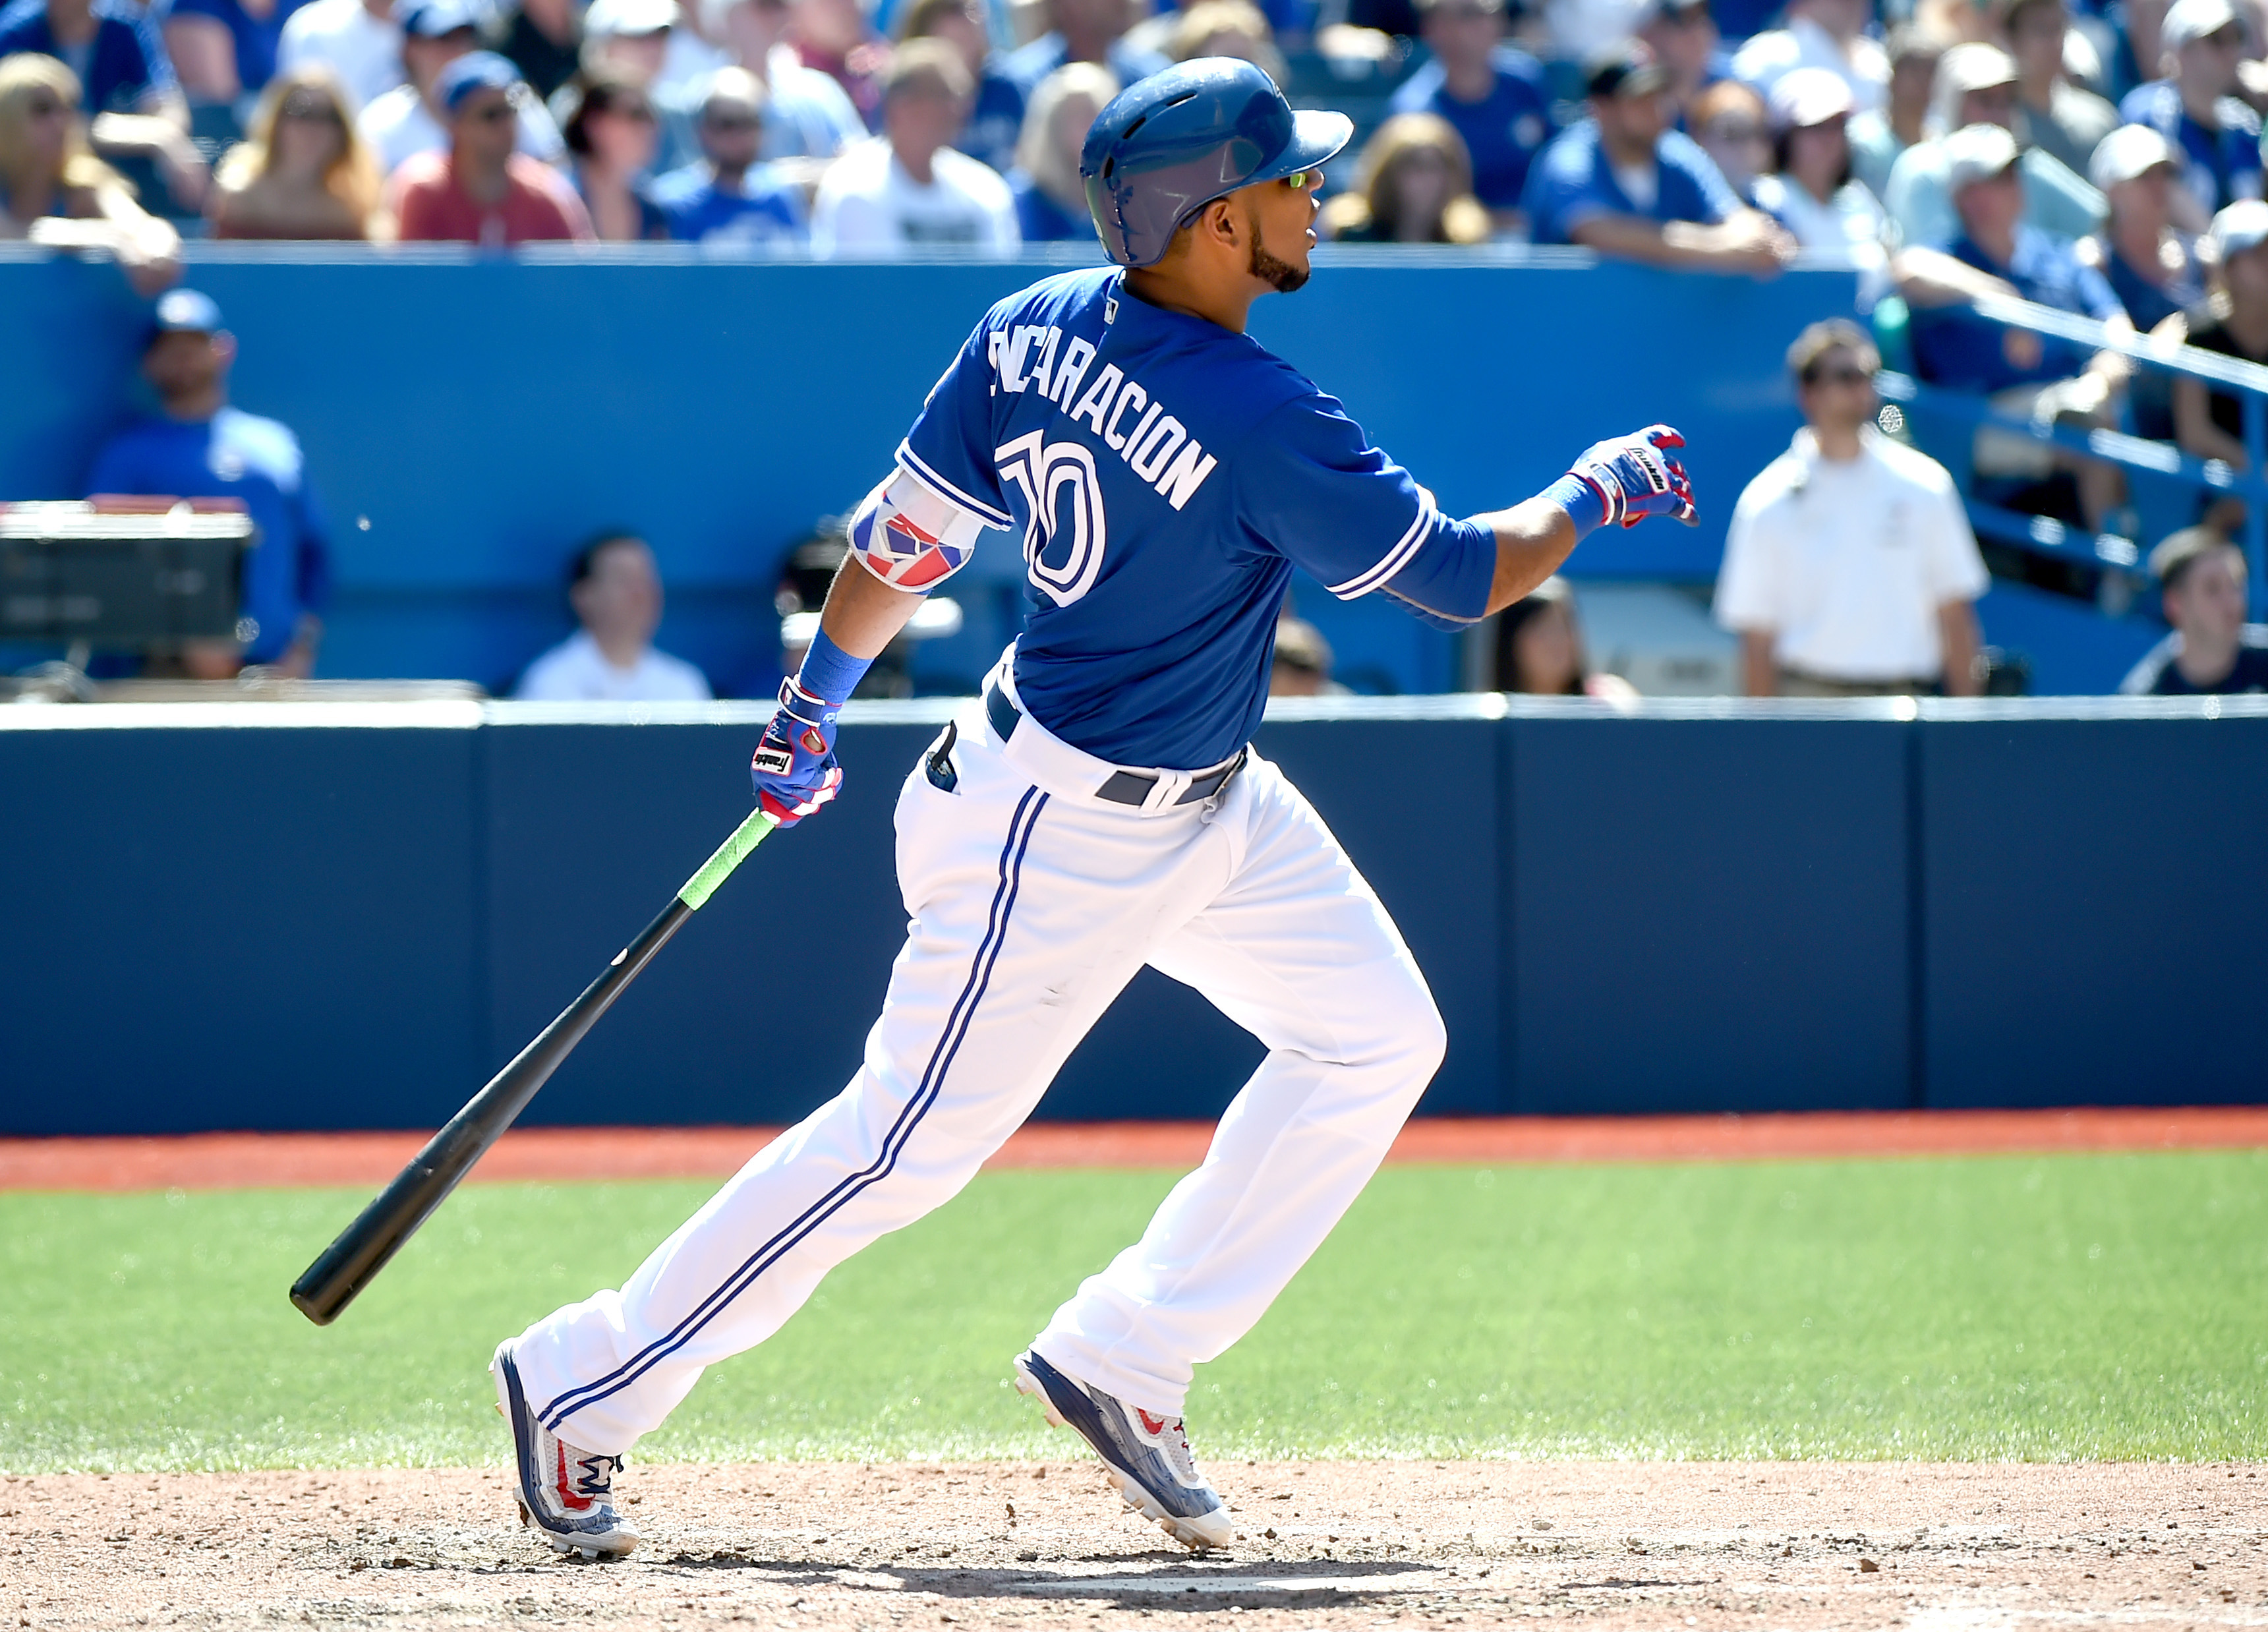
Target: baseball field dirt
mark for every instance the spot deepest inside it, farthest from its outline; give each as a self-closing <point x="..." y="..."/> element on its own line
<point x="1936" y="1547"/>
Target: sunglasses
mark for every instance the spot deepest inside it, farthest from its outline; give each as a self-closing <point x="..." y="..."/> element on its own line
<point x="637" y="113"/>
<point x="496" y="112"/>
<point x="1846" y="376"/>
<point x="1304" y="180"/>
<point x="730" y="122"/>
<point x="311" y="109"/>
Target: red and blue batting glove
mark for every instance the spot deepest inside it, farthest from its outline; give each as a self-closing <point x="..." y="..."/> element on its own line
<point x="1623" y="480"/>
<point x="794" y="767"/>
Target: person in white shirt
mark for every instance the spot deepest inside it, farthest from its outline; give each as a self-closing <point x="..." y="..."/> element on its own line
<point x="1819" y="34"/>
<point x="401" y="123"/>
<point x="357" y="39"/>
<point x="1849" y="570"/>
<point x="616" y="593"/>
<point x="909" y="188"/>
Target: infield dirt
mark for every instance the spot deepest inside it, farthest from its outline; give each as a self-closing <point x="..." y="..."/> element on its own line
<point x="1937" y="1547"/>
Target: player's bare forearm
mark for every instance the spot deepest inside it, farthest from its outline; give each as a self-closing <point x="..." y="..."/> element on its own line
<point x="1532" y="539"/>
<point x="863" y="614"/>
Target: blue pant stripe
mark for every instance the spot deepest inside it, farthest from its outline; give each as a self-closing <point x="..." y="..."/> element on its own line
<point x="901" y="1132"/>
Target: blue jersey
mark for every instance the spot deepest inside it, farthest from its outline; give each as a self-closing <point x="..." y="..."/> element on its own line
<point x="1165" y="474"/>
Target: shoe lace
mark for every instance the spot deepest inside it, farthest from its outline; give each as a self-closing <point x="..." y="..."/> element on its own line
<point x="597" y="1475"/>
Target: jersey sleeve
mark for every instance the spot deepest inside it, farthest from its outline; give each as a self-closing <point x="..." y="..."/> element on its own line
<point x="950" y="447"/>
<point x="1311" y="487"/>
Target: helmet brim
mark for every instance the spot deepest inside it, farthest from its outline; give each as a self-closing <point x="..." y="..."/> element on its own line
<point x="1318" y="136"/>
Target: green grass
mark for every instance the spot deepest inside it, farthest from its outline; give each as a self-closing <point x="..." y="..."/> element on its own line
<point x="1976" y="1308"/>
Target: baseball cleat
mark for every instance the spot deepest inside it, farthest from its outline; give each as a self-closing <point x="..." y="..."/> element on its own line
<point x="1147" y="1457"/>
<point x="566" y="1494"/>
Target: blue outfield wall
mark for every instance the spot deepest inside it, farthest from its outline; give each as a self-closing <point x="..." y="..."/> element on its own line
<point x="339" y="915"/>
<point x="469" y="421"/>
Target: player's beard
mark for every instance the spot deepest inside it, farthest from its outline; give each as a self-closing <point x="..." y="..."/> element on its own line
<point x="1280" y="275"/>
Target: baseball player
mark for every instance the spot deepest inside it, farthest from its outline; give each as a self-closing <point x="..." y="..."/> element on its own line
<point x="1097" y="809"/>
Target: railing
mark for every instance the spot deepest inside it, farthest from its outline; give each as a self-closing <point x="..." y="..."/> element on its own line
<point x="2110" y="549"/>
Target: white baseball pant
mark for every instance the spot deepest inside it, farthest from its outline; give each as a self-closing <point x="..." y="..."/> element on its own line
<point x="1033" y="903"/>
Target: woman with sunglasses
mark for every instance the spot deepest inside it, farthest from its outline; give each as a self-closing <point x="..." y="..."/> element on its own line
<point x="54" y="191"/>
<point x="303" y="172"/>
<point x="611" y="133"/>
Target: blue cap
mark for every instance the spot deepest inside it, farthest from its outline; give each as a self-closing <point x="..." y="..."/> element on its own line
<point x="473" y="71"/>
<point x="184" y="312"/>
<point x="430" y="19"/>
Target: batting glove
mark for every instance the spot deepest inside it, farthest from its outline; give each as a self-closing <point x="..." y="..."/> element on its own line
<point x="1626" y="478"/>
<point x="794" y="767"/>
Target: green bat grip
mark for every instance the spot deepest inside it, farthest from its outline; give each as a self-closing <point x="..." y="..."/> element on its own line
<point x="730" y="854"/>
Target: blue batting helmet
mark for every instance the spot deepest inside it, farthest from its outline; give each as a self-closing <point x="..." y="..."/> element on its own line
<point x="1169" y="145"/>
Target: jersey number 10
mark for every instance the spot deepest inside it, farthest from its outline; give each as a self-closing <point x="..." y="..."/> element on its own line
<point x="1044" y="470"/>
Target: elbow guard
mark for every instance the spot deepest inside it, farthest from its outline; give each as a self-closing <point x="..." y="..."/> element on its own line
<point x="908" y="537"/>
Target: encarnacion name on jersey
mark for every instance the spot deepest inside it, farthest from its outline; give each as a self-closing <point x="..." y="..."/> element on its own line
<point x="1154" y="443"/>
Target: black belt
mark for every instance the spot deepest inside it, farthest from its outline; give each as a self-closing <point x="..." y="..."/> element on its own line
<point x="1124" y="787"/>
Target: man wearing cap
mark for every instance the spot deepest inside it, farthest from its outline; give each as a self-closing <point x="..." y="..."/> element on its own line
<point x="726" y="197"/>
<point x="198" y="446"/>
<point x="357" y="39"/>
<point x="1491" y="93"/>
<point x="908" y="187"/>
<point x="1849" y="570"/>
<point x="2151" y="265"/>
<point x="1623" y="183"/>
<point x="2031" y="376"/>
<point x="2195" y="108"/>
<point x="479" y="191"/>
<point x="1977" y="85"/>
<point x="409" y="120"/>
<point x="2212" y="650"/>
<point x="1819" y="34"/>
<point x="2052" y="113"/>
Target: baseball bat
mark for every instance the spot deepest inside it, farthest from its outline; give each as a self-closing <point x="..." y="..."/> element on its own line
<point x="365" y="1246"/>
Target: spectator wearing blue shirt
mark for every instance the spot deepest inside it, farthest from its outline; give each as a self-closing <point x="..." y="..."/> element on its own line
<point x="725" y="196"/>
<point x="2194" y="107"/>
<point x="1492" y="95"/>
<point x="1083" y="31"/>
<point x="2036" y="378"/>
<point x="996" y="116"/>
<point x="126" y="82"/>
<point x="223" y="51"/>
<point x="1623" y="183"/>
<point x="199" y="447"/>
<point x="1050" y="199"/>
<point x="2151" y="265"/>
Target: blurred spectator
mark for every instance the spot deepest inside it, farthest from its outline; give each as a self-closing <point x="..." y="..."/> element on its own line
<point x="610" y="131"/>
<point x="1819" y="34"/>
<point x="2212" y="649"/>
<point x="1849" y="570"/>
<point x="357" y="39"/>
<point x="1729" y="123"/>
<point x="1539" y="648"/>
<point x="2052" y="113"/>
<point x="408" y="120"/>
<point x="1576" y="31"/>
<point x="631" y="39"/>
<point x="726" y="197"/>
<point x="807" y="113"/>
<point x="996" y="117"/>
<point x="1625" y="184"/>
<point x="1493" y="96"/>
<point x="543" y="40"/>
<point x="1684" y="39"/>
<point x="479" y="191"/>
<point x="616" y="594"/>
<point x="1977" y="85"/>
<point x="54" y="191"/>
<point x="1810" y="191"/>
<point x="1050" y="200"/>
<point x="907" y="188"/>
<point x="1083" y="31"/>
<point x="124" y="79"/>
<point x="224" y="51"/>
<point x="199" y="447"/>
<point x="2043" y="380"/>
<point x="1302" y="665"/>
<point x="833" y="37"/>
<point x="301" y="172"/>
<point x="2194" y="109"/>
<point x="2209" y="421"/>
<point x="1233" y="28"/>
<point x="2151" y="265"/>
<point x="1414" y="186"/>
<point x="1878" y="135"/>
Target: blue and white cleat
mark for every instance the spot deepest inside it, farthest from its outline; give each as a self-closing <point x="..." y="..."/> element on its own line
<point x="1146" y="1457"/>
<point x="566" y="1494"/>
